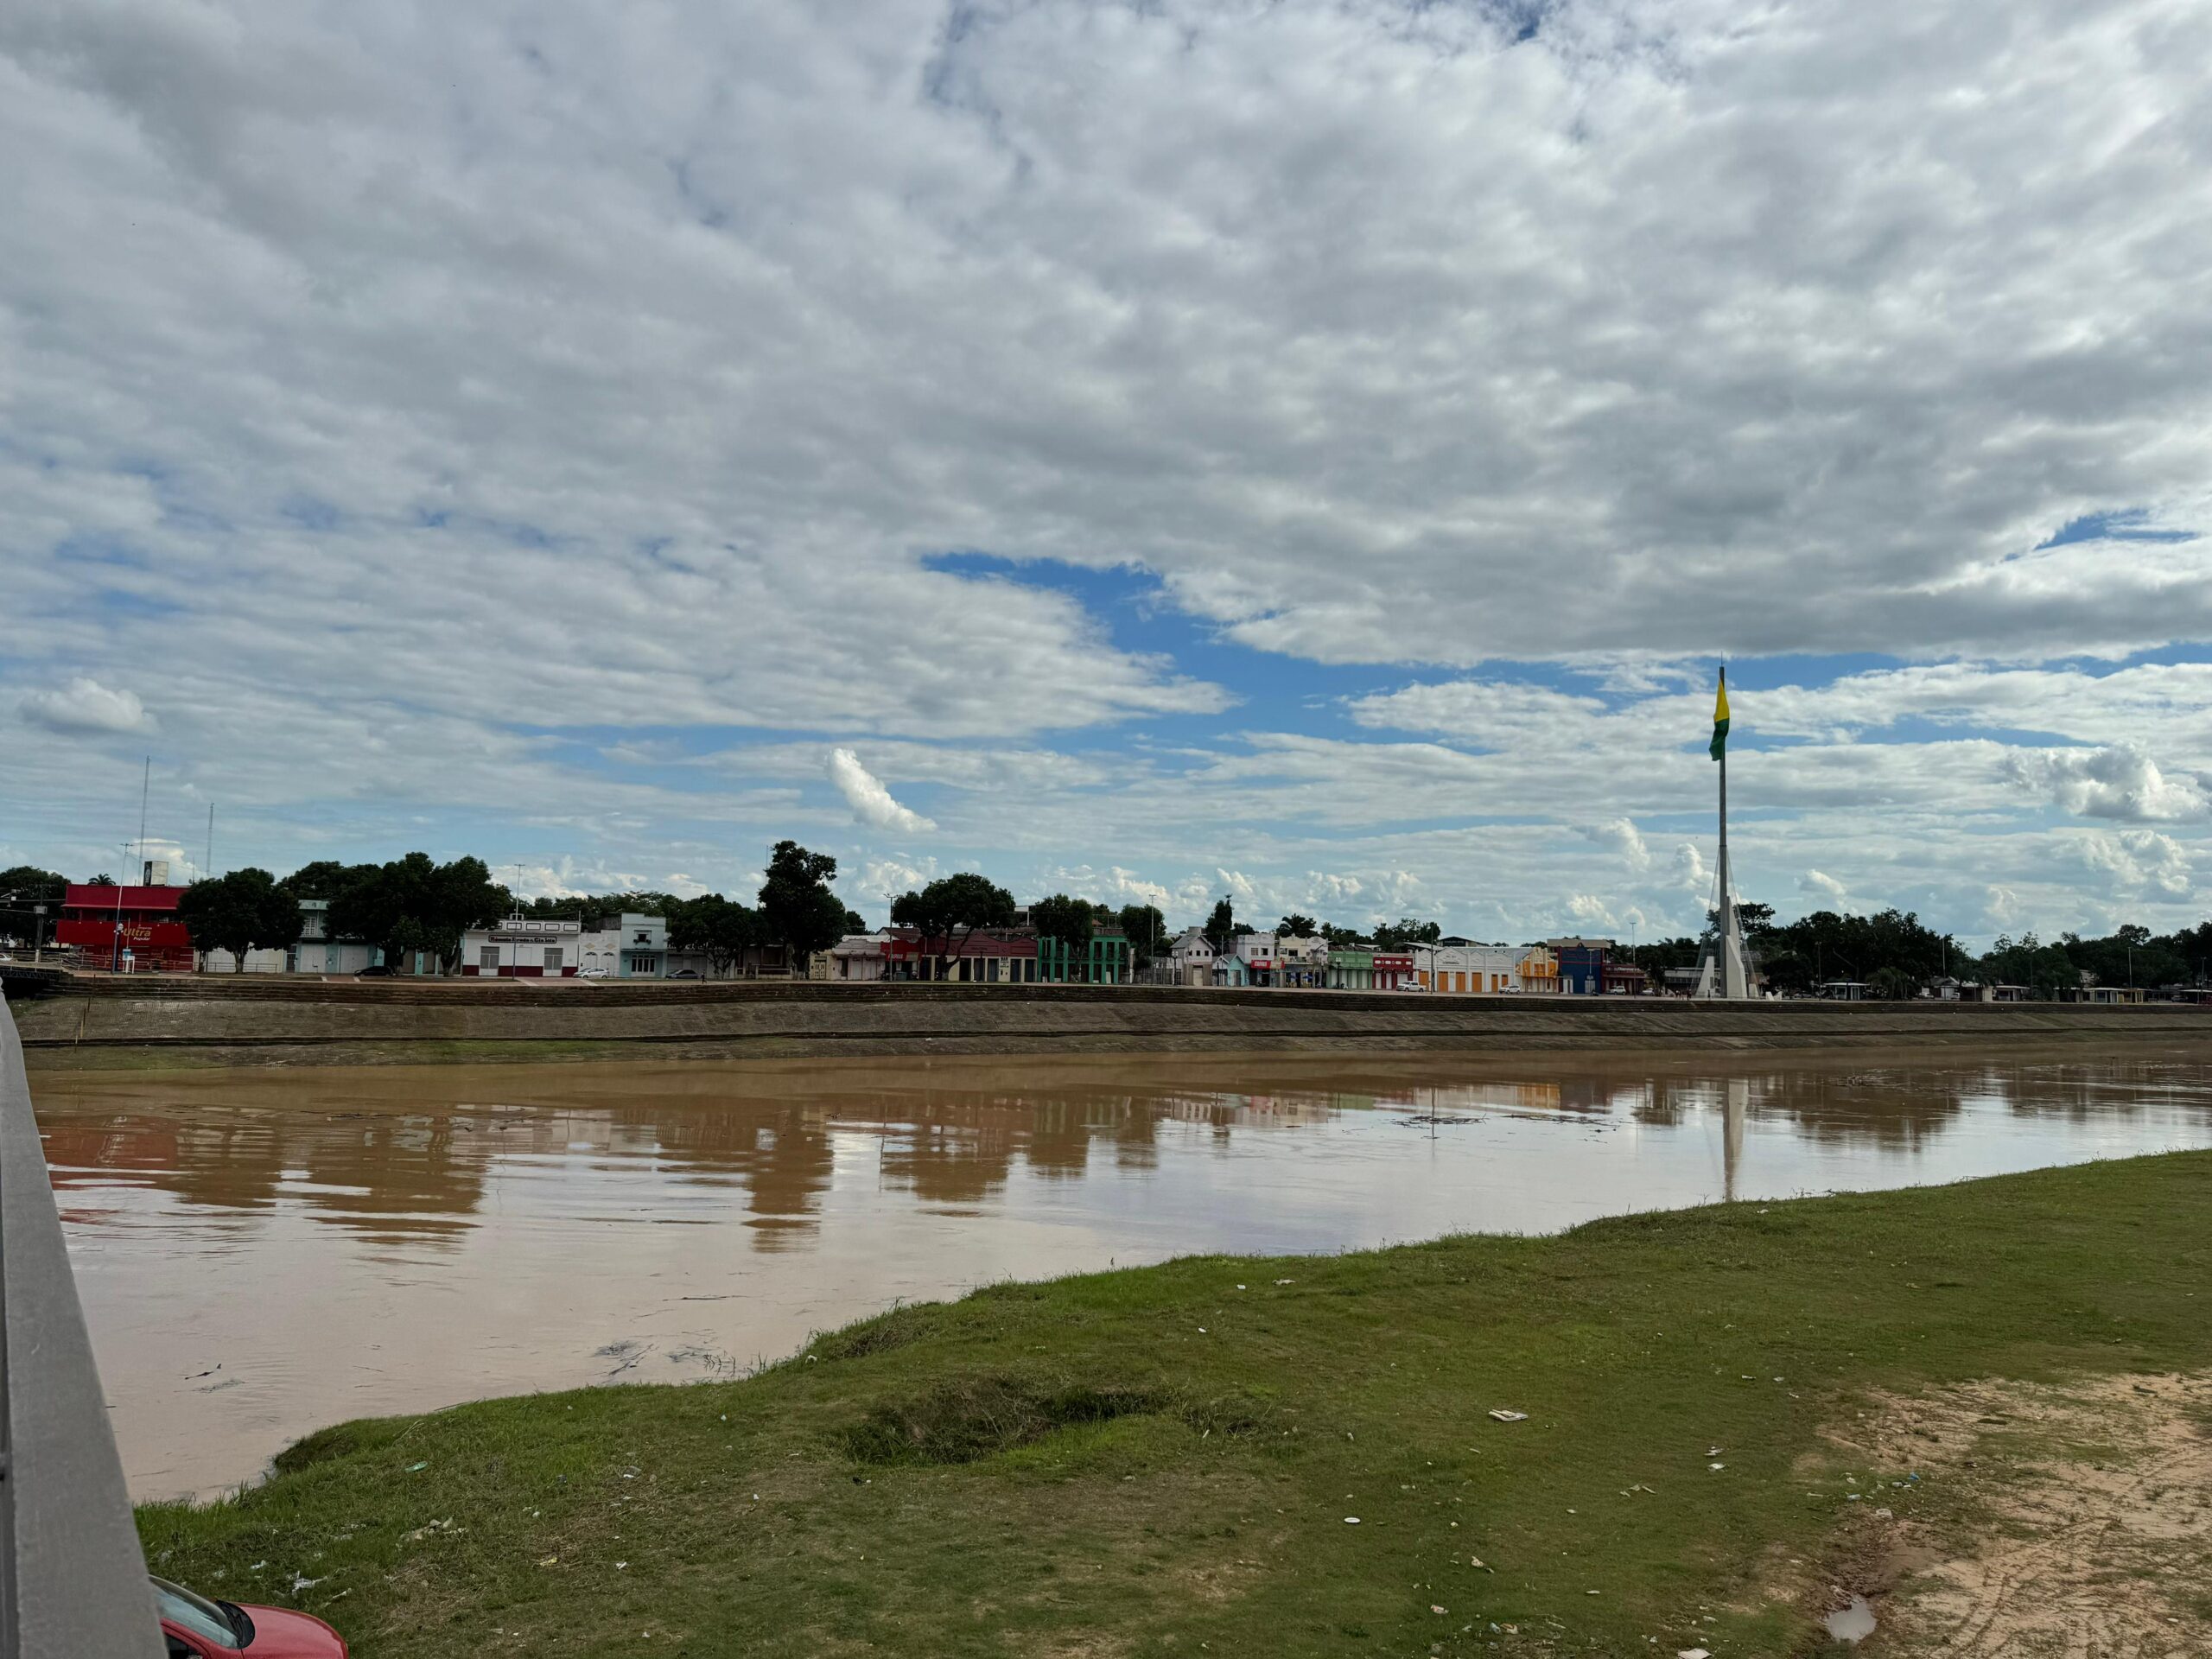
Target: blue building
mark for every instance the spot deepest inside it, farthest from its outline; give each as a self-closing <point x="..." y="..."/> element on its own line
<point x="1581" y="965"/>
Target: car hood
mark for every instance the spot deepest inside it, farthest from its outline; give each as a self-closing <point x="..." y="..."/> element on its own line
<point x="280" y="1633"/>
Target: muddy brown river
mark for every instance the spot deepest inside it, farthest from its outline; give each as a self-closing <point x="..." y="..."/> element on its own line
<point x="262" y="1253"/>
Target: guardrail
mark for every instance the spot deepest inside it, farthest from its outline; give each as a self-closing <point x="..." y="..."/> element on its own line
<point x="72" y="1579"/>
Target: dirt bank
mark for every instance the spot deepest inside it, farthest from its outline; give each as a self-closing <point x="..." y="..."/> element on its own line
<point x="167" y="1021"/>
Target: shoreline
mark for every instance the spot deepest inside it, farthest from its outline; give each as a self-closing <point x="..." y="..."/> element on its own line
<point x="1176" y="1453"/>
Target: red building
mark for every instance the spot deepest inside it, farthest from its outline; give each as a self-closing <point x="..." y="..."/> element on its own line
<point x="145" y="916"/>
<point x="1392" y="969"/>
<point x="987" y="957"/>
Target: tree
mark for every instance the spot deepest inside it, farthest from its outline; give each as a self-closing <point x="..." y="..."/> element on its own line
<point x="238" y="911"/>
<point x="2044" y="969"/>
<point x="27" y="884"/>
<point x="855" y="922"/>
<point x="415" y="904"/>
<point x="1662" y="954"/>
<point x="798" y="909"/>
<point x="1295" y="926"/>
<point x="1221" y="928"/>
<point x="1405" y="932"/>
<point x="1892" y="984"/>
<point x="1062" y="918"/>
<point x="325" y="878"/>
<point x="1146" y="930"/>
<point x="721" y="927"/>
<point x="951" y="909"/>
<point x="1342" y="938"/>
<point x="22" y="888"/>
<point x="102" y="879"/>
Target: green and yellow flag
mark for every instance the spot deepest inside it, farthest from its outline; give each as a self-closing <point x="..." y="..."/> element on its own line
<point x="1721" y="718"/>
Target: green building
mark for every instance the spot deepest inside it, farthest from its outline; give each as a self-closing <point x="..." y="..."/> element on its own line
<point x="1351" y="970"/>
<point x="1103" y="961"/>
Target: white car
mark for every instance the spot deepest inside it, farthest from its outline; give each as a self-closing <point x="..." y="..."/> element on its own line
<point x="591" y="973"/>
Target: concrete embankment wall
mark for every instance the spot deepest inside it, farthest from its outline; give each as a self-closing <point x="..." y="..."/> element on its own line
<point x="96" y="1021"/>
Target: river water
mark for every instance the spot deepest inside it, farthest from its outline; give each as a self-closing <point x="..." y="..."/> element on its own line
<point x="263" y="1252"/>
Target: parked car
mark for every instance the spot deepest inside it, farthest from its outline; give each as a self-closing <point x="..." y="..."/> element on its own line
<point x="380" y="971"/>
<point x="197" y="1628"/>
<point x="591" y="973"/>
<point x="685" y="973"/>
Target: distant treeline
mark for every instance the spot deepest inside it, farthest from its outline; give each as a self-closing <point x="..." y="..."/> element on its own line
<point x="1894" y="954"/>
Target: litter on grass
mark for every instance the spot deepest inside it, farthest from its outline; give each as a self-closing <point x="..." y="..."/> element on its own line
<point x="1505" y="1416"/>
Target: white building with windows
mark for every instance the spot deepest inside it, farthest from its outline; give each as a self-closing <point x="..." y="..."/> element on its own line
<point x="523" y="947"/>
<point x="1192" y="954"/>
<point x="629" y="946"/>
<point x="1464" y="966"/>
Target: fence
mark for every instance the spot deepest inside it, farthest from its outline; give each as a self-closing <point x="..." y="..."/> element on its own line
<point x="73" y="1579"/>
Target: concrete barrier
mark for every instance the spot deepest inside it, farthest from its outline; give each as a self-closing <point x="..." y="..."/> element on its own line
<point x="72" y="1579"/>
<point x="221" y="1017"/>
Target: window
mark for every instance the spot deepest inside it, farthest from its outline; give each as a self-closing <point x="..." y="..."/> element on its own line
<point x="552" y="959"/>
<point x="488" y="958"/>
<point x="204" y="1620"/>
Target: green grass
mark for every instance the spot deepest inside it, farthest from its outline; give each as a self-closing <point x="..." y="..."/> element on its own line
<point x="1157" y="1461"/>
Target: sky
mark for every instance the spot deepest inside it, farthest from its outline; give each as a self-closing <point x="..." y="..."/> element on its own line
<point x="1317" y="452"/>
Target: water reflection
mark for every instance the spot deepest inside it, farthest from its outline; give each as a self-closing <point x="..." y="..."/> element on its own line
<point x="327" y="1243"/>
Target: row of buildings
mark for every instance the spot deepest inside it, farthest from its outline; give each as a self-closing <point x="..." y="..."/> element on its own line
<point x="1272" y="961"/>
<point x="136" y="928"/>
<point x="1459" y="966"/>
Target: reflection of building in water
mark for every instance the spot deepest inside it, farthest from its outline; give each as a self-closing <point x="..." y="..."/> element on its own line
<point x="367" y="1153"/>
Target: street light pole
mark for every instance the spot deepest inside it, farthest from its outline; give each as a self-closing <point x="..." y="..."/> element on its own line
<point x="115" y="962"/>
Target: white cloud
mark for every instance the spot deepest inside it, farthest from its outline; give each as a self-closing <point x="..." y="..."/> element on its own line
<point x="883" y="880"/>
<point x="84" y="705"/>
<point x="871" y="802"/>
<point x="1620" y="836"/>
<point x="1588" y="909"/>
<point x="1822" y="890"/>
<point x="2139" y="861"/>
<point x="486" y="441"/>
<point x="2120" y="782"/>
<point x="1113" y="886"/>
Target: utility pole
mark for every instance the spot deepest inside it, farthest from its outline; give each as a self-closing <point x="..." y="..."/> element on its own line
<point x="208" y="870"/>
<point x="145" y="783"/>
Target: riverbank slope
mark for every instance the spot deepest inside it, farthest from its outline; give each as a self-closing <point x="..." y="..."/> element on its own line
<point x="98" y="1022"/>
<point x="1734" y="1417"/>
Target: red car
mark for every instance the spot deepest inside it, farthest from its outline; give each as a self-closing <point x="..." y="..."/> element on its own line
<point x="199" y="1629"/>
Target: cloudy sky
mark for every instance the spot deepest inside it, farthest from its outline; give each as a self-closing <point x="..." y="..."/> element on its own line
<point x="1317" y="451"/>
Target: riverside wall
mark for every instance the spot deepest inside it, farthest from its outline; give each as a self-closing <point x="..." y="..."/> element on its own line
<point x="99" y="1021"/>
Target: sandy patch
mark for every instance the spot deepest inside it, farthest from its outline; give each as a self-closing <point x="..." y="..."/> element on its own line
<point x="2094" y="1533"/>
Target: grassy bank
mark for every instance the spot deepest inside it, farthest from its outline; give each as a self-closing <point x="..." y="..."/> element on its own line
<point x="1165" y="1460"/>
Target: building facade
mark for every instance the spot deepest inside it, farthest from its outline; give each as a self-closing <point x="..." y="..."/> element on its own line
<point x="131" y="928"/>
<point x="1581" y="965"/>
<point x="1466" y="967"/>
<point x="1192" y="954"/>
<point x="1301" y="961"/>
<point x="629" y="946"/>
